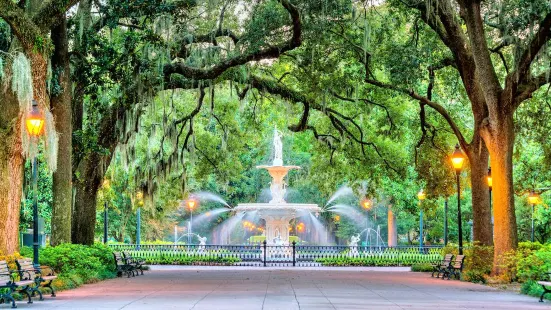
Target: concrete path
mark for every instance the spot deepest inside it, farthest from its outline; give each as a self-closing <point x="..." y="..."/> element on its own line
<point x="267" y="288"/>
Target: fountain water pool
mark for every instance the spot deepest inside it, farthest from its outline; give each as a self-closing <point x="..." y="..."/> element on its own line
<point x="278" y="213"/>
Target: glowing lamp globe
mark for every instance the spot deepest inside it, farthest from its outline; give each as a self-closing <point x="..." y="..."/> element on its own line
<point x="35" y="121"/>
<point x="421" y="195"/>
<point x="191" y="203"/>
<point x="458" y="158"/>
<point x="533" y="198"/>
<point x="366" y="204"/>
<point x="489" y="178"/>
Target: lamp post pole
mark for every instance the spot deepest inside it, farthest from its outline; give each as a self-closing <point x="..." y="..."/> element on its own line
<point x="421" y="231"/>
<point x="35" y="212"/>
<point x="532" y="235"/>
<point x="105" y="222"/>
<point x="459" y="226"/>
<point x="138" y="227"/>
<point x="446" y="221"/>
<point x="190" y="228"/>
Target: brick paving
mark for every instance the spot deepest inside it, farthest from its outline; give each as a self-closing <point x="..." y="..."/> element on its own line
<point x="291" y="288"/>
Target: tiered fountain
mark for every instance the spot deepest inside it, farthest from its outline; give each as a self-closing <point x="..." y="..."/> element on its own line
<point x="278" y="213"/>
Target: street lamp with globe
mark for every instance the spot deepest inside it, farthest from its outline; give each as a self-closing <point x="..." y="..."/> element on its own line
<point x="35" y="127"/>
<point x="458" y="158"/>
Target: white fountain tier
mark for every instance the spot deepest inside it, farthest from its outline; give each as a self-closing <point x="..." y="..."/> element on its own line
<point x="278" y="213"/>
<point x="277" y="217"/>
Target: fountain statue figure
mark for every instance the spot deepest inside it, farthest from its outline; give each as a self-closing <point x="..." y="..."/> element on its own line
<point x="202" y="242"/>
<point x="278" y="148"/>
<point x="354" y="245"/>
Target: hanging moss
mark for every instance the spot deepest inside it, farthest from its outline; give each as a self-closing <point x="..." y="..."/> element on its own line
<point x="1" y="68"/>
<point x="21" y="83"/>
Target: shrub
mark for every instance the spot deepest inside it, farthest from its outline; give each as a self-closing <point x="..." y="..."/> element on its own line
<point x="478" y="263"/>
<point x="10" y="259"/>
<point x="76" y="264"/>
<point x="423" y="267"/>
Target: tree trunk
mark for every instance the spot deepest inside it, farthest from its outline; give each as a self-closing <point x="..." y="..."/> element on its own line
<point x="482" y="219"/>
<point x="500" y="143"/>
<point x="86" y="186"/>
<point x="11" y="173"/>
<point x="61" y="109"/>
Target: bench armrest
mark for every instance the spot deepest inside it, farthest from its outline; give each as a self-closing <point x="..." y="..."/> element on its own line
<point x="47" y="270"/>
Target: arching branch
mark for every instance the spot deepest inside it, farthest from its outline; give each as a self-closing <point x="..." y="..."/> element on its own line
<point x="437" y="107"/>
<point x="269" y="52"/>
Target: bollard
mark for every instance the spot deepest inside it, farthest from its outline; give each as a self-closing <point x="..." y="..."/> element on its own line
<point x="264" y="244"/>
<point x="294" y="248"/>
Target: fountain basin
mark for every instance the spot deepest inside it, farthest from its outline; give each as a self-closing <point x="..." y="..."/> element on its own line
<point x="277" y="217"/>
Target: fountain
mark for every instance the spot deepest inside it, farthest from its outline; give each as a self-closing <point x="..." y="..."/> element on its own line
<point x="277" y="213"/>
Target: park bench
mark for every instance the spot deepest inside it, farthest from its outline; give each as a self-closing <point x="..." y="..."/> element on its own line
<point x="122" y="265"/>
<point x="43" y="275"/>
<point x="137" y="262"/>
<point x="455" y="268"/>
<point x="442" y="266"/>
<point x="9" y="284"/>
<point x="546" y="285"/>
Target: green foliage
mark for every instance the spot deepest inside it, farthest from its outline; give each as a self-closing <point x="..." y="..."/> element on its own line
<point x="381" y="259"/>
<point x="423" y="267"/>
<point x="44" y="192"/>
<point x="77" y="264"/>
<point x="220" y="257"/>
<point x="532" y="288"/>
<point x="478" y="263"/>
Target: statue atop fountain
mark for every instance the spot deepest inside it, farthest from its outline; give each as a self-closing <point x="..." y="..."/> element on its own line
<point x="278" y="148"/>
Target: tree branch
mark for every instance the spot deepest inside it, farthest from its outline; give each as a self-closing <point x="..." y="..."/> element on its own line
<point x="269" y="52"/>
<point x="529" y="54"/>
<point x="437" y="107"/>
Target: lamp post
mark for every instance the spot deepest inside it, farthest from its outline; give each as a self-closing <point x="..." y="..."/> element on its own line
<point x="191" y="203"/>
<point x="457" y="159"/>
<point x="139" y="196"/>
<point x="106" y="186"/>
<point x="490" y="183"/>
<point x="533" y="199"/>
<point x="421" y="196"/>
<point x="446" y="221"/>
<point x="35" y="126"/>
<point x="105" y="209"/>
<point x="367" y="205"/>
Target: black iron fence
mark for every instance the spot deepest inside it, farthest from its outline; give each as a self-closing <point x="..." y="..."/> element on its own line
<point x="282" y="255"/>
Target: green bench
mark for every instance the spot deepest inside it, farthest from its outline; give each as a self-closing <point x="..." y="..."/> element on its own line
<point x="546" y="285"/>
<point x="442" y="266"/>
<point x="455" y="268"/>
<point x="10" y="284"/>
<point x="122" y="265"/>
<point x="136" y="262"/>
<point x="43" y="275"/>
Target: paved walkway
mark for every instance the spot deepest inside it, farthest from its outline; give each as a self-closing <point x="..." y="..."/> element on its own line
<point x="266" y="288"/>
